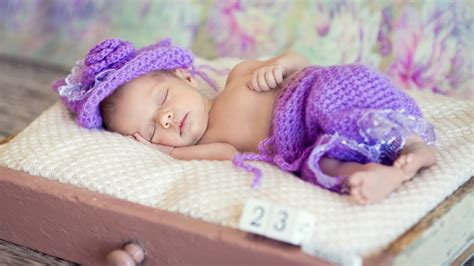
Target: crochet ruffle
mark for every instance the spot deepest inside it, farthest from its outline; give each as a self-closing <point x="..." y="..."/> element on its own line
<point x="384" y="132"/>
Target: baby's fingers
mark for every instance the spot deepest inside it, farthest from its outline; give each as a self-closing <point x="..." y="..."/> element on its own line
<point x="258" y="82"/>
<point x="278" y="73"/>
<point x="267" y="78"/>
<point x="139" y="138"/>
<point x="264" y="80"/>
<point x="270" y="79"/>
<point x="254" y="82"/>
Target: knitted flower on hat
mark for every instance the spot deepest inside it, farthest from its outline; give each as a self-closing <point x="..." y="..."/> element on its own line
<point x="109" y="65"/>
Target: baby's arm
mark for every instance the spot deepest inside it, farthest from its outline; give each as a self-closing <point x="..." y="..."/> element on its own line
<point x="270" y="73"/>
<point x="210" y="151"/>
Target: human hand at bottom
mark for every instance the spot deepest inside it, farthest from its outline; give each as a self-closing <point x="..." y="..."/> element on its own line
<point x="163" y="148"/>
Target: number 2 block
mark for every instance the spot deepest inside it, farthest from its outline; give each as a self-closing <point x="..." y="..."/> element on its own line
<point x="255" y="216"/>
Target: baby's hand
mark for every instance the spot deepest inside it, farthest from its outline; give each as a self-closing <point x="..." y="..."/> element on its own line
<point x="267" y="77"/>
<point x="162" y="148"/>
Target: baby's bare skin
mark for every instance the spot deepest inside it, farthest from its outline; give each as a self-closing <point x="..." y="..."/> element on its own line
<point x="240" y="116"/>
<point x="238" y="119"/>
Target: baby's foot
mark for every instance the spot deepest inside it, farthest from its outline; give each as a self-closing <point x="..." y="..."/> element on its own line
<point x="374" y="182"/>
<point x="414" y="156"/>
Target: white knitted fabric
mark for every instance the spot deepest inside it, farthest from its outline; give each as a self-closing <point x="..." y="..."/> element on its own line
<point x="53" y="146"/>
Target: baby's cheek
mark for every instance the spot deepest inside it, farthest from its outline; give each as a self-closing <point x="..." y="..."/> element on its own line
<point x="194" y="134"/>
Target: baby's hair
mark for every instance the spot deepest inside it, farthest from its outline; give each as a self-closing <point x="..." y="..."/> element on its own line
<point x="108" y="106"/>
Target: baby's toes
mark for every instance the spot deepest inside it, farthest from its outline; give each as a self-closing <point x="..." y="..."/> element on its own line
<point x="356" y="194"/>
<point x="355" y="183"/>
<point x="400" y="162"/>
<point x="355" y="180"/>
<point x="409" y="158"/>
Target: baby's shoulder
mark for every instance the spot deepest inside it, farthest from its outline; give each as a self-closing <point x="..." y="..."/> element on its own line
<point x="244" y="68"/>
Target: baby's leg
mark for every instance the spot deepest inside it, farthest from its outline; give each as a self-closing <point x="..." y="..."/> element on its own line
<point x="415" y="155"/>
<point x="368" y="183"/>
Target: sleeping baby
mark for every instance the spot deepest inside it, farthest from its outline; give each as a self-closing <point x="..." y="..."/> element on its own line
<point x="345" y="128"/>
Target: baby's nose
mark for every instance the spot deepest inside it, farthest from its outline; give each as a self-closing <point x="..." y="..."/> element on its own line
<point x="166" y="119"/>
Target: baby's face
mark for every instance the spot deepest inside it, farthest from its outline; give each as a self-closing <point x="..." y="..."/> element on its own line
<point x="163" y="109"/>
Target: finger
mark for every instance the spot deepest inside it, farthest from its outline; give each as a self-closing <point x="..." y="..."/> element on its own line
<point x="283" y="70"/>
<point x="262" y="84"/>
<point x="140" y="138"/>
<point x="270" y="79"/>
<point x="136" y="136"/>
<point x="356" y="195"/>
<point x="255" y="82"/>
<point x="278" y="74"/>
<point x="355" y="181"/>
<point x="249" y="84"/>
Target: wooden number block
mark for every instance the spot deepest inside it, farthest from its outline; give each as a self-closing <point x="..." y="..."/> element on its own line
<point x="255" y="216"/>
<point x="282" y="224"/>
<point x="277" y="222"/>
<point x="304" y="227"/>
<point x="290" y="225"/>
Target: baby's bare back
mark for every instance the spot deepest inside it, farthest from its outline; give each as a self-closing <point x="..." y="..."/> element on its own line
<point x="239" y="115"/>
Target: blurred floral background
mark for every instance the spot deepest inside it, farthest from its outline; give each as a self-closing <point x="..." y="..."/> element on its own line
<point x="420" y="44"/>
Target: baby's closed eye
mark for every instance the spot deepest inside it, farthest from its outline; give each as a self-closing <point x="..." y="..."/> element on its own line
<point x="163" y="97"/>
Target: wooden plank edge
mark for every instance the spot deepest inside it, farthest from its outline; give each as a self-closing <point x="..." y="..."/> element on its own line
<point x="6" y="140"/>
<point x="48" y="213"/>
<point x="388" y="255"/>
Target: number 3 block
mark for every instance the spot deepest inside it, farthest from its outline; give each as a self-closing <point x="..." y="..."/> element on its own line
<point x="282" y="224"/>
<point x="277" y="222"/>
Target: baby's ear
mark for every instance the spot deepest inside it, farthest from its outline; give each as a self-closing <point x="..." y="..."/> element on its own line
<point x="186" y="76"/>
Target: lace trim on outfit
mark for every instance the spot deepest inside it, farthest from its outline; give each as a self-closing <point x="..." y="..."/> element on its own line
<point x="384" y="133"/>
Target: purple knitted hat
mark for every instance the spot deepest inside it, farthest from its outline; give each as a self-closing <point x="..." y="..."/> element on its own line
<point x="108" y="65"/>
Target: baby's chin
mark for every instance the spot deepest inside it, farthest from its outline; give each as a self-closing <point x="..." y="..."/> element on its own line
<point x="195" y="136"/>
<point x="190" y="141"/>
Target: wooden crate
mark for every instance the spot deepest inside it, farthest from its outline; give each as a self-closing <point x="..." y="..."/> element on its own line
<point x="84" y="226"/>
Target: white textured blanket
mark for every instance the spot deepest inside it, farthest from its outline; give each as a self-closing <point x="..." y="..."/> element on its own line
<point x="54" y="147"/>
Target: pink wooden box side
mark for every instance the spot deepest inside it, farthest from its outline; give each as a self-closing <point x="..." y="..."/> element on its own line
<point x="84" y="226"/>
